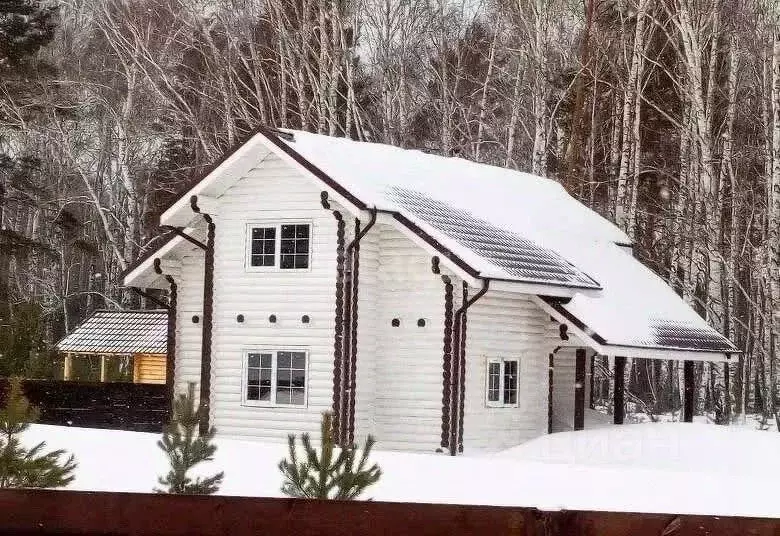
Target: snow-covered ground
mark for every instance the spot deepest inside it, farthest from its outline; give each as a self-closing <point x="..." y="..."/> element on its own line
<point x="669" y="467"/>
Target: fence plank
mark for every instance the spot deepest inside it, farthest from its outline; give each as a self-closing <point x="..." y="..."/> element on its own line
<point x="68" y="512"/>
<point x="119" y="406"/>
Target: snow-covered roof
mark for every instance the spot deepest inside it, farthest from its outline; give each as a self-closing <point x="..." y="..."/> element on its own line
<point x="120" y="332"/>
<point x="672" y="468"/>
<point x="498" y="224"/>
<point x="513" y="225"/>
<point x="484" y="214"/>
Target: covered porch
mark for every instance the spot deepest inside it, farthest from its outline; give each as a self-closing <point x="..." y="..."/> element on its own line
<point x="637" y="315"/>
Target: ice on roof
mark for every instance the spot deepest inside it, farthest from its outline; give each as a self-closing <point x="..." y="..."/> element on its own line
<point x="120" y="332"/>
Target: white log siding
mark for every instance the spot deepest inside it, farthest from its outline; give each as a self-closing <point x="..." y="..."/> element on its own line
<point x="365" y="403"/>
<point x="510" y="326"/>
<point x="563" y="388"/>
<point x="188" y="334"/>
<point x="271" y="193"/>
<point x="408" y="357"/>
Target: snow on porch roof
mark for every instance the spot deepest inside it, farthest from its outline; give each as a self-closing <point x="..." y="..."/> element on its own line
<point x="120" y="332"/>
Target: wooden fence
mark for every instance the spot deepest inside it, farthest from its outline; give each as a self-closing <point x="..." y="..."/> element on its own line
<point x="87" y="513"/>
<point x="121" y="406"/>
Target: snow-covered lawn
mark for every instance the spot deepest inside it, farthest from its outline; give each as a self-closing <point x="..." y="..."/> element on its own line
<point x="670" y="468"/>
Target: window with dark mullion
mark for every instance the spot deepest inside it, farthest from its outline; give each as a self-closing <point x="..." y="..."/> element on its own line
<point x="503" y="382"/>
<point x="275" y="378"/>
<point x="294" y="247"/>
<point x="263" y="246"/>
<point x="510" y="382"/>
<point x="494" y="382"/>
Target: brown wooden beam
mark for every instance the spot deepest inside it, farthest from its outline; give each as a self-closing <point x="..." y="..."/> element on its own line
<point x="550" y="379"/>
<point x="579" y="390"/>
<point x="689" y="391"/>
<point x="619" y="394"/>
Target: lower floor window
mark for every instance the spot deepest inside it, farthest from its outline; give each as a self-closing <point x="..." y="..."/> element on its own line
<point x="502" y="382"/>
<point x="275" y="377"/>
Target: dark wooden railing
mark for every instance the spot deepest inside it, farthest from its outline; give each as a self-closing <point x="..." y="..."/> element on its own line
<point x="87" y="513"/>
<point x="120" y="406"/>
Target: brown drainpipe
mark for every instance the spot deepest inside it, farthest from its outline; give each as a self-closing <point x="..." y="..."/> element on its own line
<point x="208" y="318"/>
<point x="446" y="392"/>
<point x="338" y="338"/>
<point x="350" y="329"/>
<point x="458" y="384"/>
<point x="170" y="349"/>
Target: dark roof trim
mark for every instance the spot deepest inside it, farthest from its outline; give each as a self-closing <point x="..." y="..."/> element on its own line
<point x="209" y="169"/>
<point x="438" y="246"/>
<point x="162" y="238"/>
<point x="274" y="138"/>
<point x="556" y="304"/>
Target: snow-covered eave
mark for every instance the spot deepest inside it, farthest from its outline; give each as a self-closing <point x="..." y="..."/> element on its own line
<point x="144" y="274"/>
<point x="580" y="328"/>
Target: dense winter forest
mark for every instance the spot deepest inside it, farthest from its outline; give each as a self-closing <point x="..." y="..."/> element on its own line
<point x="663" y="115"/>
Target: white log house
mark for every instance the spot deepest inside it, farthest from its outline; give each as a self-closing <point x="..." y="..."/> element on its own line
<point x="420" y="298"/>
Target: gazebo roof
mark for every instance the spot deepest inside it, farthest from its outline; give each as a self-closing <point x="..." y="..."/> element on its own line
<point x="120" y="332"/>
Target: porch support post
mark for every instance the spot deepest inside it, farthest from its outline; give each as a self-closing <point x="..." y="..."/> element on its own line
<point x="550" y="380"/>
<point x="579" y="390"/>
<point x="103" y="371"/>
<point x="68" y="366"/>
<point x="619" y="412"/>
<point x="688" y="395"/>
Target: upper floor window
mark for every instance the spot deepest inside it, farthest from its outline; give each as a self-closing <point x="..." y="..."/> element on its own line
<point x="285" y="246"/>
<point x="275" y="378"/>
<point x="503" y="380"/>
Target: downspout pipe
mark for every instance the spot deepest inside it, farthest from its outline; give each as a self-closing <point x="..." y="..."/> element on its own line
<point x="170" y="349"/>
<point x="338" y="337"/>
<point x="458" y="389"/>
<point x="350" y="322"/>
<point x="208" y="318"/>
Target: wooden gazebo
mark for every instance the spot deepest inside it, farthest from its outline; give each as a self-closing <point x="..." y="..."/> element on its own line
<point x="139" y="334"/>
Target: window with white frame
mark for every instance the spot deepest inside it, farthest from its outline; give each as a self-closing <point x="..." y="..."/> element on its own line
<point x="275" y="378"/>
<point x="284" y="246"/>
<point x="503" y="382"/>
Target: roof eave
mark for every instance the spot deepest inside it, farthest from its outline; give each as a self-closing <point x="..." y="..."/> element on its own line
<point x="143" y="275"/>
<point x="603" y="347"/>
<point x="668" y="353"/>
<point x="236" y="165"/>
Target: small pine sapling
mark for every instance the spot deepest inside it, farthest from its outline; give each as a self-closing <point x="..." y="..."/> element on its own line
<point x="28" y="468"/>
<point x="185" y="448"/>
<point x="327" y="474"/>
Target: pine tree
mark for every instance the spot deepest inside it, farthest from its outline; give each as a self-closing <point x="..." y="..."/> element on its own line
<point x="323" y="477"/>
<point x="20" y="467"/>
<point x="185" y="449"/>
